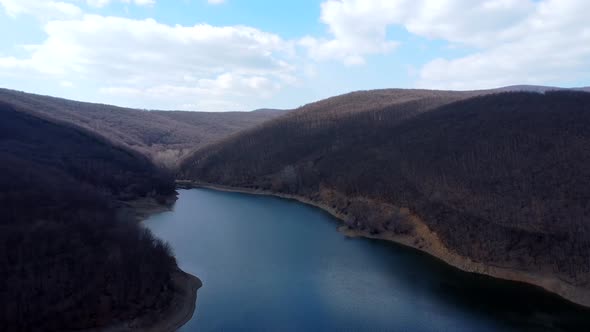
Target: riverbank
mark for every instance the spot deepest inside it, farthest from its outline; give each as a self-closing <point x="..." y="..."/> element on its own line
<point x="180" y="310"/>
<point x="425" y="240"/>
<point x="183" y="297"/>
<point x="142" y="208"/>
<point x="185" y="286"/>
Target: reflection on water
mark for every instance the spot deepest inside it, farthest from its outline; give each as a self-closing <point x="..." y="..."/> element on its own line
<point x="274" y="264"/>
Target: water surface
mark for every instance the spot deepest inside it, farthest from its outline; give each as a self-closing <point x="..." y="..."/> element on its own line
<point x="270" y="264"/>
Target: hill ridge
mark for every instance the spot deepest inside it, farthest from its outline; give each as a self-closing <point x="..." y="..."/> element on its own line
<point x="496" y="176"/>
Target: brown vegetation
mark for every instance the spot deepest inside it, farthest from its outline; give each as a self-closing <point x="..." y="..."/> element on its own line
<point x="500" y="178"/>
<point x="68" y="260"/>
<point x="166" y="137"/>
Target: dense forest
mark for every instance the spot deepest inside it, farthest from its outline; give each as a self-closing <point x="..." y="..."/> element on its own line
<point x="68" y="259"/>
<point x="501" y="178"/>
<point x="164" y="136"/>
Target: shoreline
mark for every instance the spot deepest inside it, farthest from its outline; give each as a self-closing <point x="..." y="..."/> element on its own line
<point x="182" y="307"/>
<point x="142" y="208"/>
<point x="428" y="242"/>
<point x="180" y="310"/>
<point x="185" y="286"/>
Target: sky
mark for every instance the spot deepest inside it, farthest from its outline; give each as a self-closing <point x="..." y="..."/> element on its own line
<point x="240" y="55"/>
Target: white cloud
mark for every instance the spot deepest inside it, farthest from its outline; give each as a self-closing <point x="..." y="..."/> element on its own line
<point x="145" y="58"/>
<point x="358" y="28"/>
<point x="98" y="3"/>
<point x="515" y="41"/>
<point x="225" y="92"/>
<point x="144" y="62"/>
<point x="224" y="85"/>
<point x="46" y="10"/>
<point x="549" y="45"/>
<point x="41" y="9"/>
<point x="102" y="3"/>
<point x="144" y="2"/>
<point x="215" y="2"/>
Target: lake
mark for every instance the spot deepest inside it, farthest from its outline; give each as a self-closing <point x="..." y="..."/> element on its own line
<point x="270" y="264"/>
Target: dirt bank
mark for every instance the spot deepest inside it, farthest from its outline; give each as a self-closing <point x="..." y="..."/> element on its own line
<point x="423" y="239"/>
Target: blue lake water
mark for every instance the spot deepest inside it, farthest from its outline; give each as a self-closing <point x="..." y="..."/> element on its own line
<point x="269" y="264"/>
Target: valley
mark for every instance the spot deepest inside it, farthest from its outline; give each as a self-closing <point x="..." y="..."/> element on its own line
<point x="331" y="165"/>
<point x="488" y="181"/>
<point x="493" y="180"/>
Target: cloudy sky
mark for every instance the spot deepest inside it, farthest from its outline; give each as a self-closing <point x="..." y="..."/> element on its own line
<point x="223" y="55"/>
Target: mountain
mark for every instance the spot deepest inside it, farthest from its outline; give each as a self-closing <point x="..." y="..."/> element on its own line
<point x="166" y="137"/>
<point x="269" y="110"/>
<point x="538" y="88"/>
<point x="490" y="182"/>
<point x="69" y="259"/>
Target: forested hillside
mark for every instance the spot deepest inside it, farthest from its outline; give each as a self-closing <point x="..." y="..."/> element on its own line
<point x="500" y="178"/>
<point x="68" y="259"/>
<point x="164" y="136"/>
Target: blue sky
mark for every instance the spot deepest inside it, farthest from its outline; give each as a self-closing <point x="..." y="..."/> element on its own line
<point x="247" y="54"/>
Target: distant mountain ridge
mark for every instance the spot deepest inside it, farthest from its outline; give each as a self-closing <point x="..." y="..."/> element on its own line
<point x="167" y="137"/>
<point x="491" y="181"/>
<point x="538" y="88"/>
<point x="164" y="136"/>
